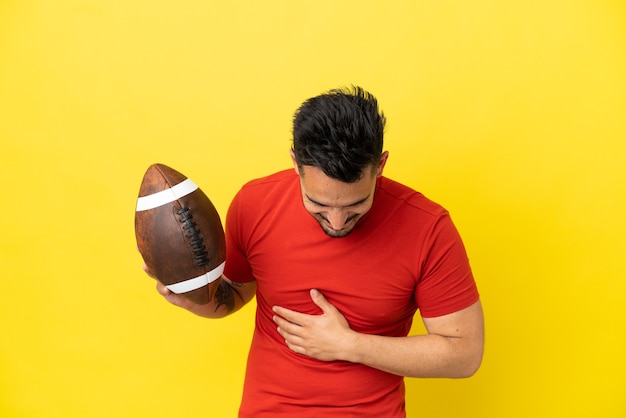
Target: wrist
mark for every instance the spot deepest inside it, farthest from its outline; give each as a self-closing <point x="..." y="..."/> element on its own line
<point x="353" y="347"/>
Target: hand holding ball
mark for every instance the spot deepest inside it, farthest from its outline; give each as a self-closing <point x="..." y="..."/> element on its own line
<point x="179" y="234"/>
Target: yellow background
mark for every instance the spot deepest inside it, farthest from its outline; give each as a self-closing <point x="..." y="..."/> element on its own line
<point x="510" y="114"/>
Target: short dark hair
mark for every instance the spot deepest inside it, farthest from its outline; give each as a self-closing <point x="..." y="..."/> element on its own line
<point x="340" y="132"/>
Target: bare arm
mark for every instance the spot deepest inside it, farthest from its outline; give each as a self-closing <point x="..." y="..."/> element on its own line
<point x="453" y="346"/>
<point x="229" y="297"/>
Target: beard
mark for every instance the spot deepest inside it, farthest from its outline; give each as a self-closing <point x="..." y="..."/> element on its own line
<point x="336" y="233"/>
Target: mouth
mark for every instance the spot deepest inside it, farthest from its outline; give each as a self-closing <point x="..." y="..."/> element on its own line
<point x="337" y="233"/>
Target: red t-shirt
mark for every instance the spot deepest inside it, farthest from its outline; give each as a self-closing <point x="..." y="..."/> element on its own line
<point x="404" y="254"/>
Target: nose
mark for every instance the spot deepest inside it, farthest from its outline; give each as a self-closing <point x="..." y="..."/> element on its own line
<point x="336" y="218"/>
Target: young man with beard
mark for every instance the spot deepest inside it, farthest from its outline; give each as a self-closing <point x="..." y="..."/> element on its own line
<point x="341" y="258"/>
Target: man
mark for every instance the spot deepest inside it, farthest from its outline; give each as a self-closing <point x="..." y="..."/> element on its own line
<point x="340" y="259"/>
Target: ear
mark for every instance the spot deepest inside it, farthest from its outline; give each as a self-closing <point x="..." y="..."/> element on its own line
<point x="293" y="160"/>
<point x="381" y="163"/>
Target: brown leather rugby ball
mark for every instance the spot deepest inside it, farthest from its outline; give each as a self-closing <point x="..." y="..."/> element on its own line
<point x="179" y="234"/>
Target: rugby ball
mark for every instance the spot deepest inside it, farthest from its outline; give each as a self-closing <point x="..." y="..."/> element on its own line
<point x="179" y="234"/>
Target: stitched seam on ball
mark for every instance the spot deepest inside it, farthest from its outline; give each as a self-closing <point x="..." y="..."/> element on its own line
<point x="198" y="248"/>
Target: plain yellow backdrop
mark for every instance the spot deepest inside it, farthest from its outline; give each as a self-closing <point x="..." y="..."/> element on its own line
<point x="510" y="114"/>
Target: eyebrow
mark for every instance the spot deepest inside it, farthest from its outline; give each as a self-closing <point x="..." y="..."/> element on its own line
<point x="358" y="202"/>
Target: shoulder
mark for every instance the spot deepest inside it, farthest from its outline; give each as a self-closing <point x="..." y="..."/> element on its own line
<point x="270" y="182"/>
<point x="268" y="190"/>
<point x="393" y="193"/>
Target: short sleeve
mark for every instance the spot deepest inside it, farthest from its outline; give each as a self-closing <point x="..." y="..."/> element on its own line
<point x="237" y="268"/>
<point x="446" y="282"/>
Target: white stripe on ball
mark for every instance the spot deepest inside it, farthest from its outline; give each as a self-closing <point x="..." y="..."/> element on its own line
<point x="166" y="196"/>
<point x="198" y="282"/>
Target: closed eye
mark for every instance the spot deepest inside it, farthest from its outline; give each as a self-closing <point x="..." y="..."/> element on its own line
<point x="351" y="205"/>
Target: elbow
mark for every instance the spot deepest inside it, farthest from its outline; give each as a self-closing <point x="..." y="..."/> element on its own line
<point x="470" y="365"/>
<point x="469" y="370"/>
<point x="462" y="366"/>
<point x="473" y="357"/>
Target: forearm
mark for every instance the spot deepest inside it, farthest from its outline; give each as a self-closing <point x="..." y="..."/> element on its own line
<point x="228" y="298"/>
<point x="427" y="355"/>
<point x="453" y="346"/>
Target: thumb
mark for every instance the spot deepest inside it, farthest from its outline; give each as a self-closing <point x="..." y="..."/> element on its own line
<point x="321" y="301"/>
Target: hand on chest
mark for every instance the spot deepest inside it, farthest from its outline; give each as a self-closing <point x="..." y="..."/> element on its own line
<point x="373" y="290"/>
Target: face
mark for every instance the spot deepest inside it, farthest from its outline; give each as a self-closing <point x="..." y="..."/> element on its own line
<point x="337" y="206"/>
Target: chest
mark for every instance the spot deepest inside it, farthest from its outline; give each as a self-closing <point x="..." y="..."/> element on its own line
<point x="370" y="276"/>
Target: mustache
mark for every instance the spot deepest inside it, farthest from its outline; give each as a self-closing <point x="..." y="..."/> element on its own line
<point x="348" y="219"/>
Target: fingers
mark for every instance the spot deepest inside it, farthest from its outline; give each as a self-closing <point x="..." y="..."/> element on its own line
<point x="162" y="289"/>
<point x="300" y="318"/>
<point x="170" y="296"/>
<point x="148" y="271"/>
<point x="320" y="300"/>
<point x="291" y="316"/>
<point x="173" y="298"/>
<point x="294" y="345"/>
<point x="286" y="327"/>
<point x="291" y="333"/>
